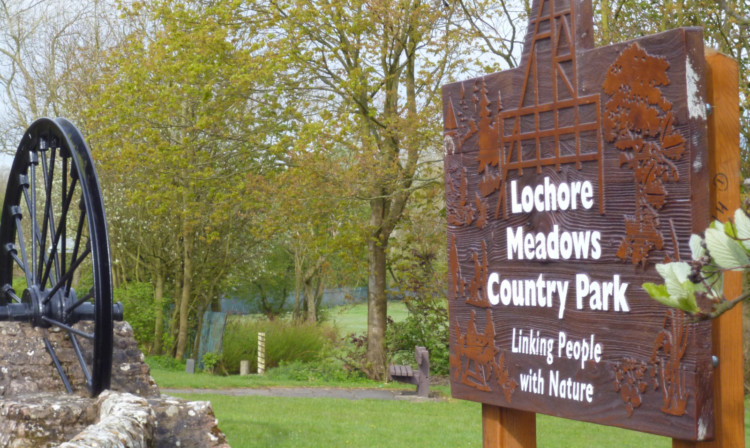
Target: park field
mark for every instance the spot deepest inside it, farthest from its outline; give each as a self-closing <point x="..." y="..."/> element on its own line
<point x="331" y="422"/>
<point x="350" y="319"/>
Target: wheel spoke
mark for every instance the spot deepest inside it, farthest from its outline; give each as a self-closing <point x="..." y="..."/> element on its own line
<point x="81" y="361"/>
<point x="33" y="162"/>
<point x="68" y="277"/>
<point x="10" y="249"/>
<point x="80" y="301"/>
<point x="16" y="210"/>
<point x="57" y="323"/>
<point x="60" y="370"/>
<point x="49" y="218"/>
<point x="76" y="246"/>
<point x="60" y="234"/>
<point x="8" y="291"/>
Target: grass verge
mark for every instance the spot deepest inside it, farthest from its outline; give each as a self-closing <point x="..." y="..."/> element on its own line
<point x="350" y="319"/>
<point x="326" y="422"/>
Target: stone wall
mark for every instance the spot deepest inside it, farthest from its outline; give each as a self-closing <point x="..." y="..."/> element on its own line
<point x="36" y="411"/>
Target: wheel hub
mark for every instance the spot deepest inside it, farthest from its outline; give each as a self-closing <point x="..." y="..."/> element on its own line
<point x="54" y="308"/>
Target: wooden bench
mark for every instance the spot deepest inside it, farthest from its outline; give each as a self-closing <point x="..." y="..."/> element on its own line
<point x="421" y="377"/>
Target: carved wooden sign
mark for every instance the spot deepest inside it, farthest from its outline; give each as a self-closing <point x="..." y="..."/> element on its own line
<point x="567" y="179"/>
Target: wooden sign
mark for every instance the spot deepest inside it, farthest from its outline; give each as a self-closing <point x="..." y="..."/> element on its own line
<point x="567" y="180"/>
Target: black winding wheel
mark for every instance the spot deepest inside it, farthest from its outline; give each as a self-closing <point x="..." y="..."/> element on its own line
<point x="54" y="248"/>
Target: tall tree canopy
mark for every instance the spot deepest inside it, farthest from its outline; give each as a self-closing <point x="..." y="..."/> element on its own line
<point x="376" y="67"/>
<point x="182" y="122"/>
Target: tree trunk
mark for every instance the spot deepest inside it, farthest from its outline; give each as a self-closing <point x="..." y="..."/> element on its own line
<point x="187" y="275"/>
<point x="312" y="315"/>
<point x="197" y="339"/>
<point x="377" y="308"/>
<point x="297" y="312"/>
<point x="157" y="348"/>
<point x="173" y="327"/>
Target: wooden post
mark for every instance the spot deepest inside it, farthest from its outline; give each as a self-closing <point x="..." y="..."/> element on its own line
<point x="724" y="165"/>
<point x="261" y="353"/>
<point x="508" y="428"/>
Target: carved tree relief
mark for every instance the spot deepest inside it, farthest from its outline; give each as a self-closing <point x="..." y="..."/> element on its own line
<point x="478" y="284"/>
<point x="639" y="121"/>
<point x="459" y="209"/>
<point x="473" y="358"/>
<point x="457" y="282"/>
<point x="669" y="349"/>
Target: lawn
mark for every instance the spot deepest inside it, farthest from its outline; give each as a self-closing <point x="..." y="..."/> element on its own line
<point x="353" y="318"/>
<point x="327" y="422"/>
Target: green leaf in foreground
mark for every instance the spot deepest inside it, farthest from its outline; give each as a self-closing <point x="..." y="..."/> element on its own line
<point x="696" y="246"/>
<point x="742" y="224"/>
<point x="726" y="252"/>
<point x="659" y="293"/>
<point x="677" y="291"/>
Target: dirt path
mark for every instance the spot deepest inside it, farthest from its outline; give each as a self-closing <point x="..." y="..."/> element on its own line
<point x="307" y="392"/>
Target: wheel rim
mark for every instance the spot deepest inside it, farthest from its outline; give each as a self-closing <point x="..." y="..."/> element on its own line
<point x="53" y="231"/>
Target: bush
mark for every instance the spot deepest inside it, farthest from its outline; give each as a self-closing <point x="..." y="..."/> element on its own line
<point x="165" y="362"/>
<point x="139" y="310"/>
<point x="285" y="341"/>
<point x="325" y="370"/>
<point x="426" y="325"/>
<point x="210" y="361"/>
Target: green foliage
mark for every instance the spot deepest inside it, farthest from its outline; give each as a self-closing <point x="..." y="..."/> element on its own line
<point x="426" y="325"/>
<point x="164" y="362"/>
<point x="324" y="370"/>
<point x="139" y="310"/>
<point x="725" y="247"/>
<point x="352" y="319"/>
<point x="285" y="341"/>
<point x="418" y="269"/>
<point x="210" y="361"/>
<point x="270" y="280"/>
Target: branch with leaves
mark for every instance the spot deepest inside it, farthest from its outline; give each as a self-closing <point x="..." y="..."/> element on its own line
<point x="696" y="286"/>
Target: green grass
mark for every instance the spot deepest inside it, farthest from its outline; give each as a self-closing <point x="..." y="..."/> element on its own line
<point x="325" y="422"/>
<point x="171" y="379"/>
<point x="328" y="422"/>
<point x="353" y="318"/>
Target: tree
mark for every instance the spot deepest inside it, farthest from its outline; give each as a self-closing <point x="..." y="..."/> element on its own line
<point x="51" y="52"/>
<point x="313" y="218"/>
<point x="377" y="67"/>
<point x="184" y="123"/>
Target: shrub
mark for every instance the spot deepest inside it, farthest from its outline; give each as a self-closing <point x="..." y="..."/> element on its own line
<point x="210" y="361"/>
<point x="165" y="362"/>
<point x="426" y="325"/>
<point x="139" y="310"/>
<point x="324" y="370"/>
<point x="285" y="341"/>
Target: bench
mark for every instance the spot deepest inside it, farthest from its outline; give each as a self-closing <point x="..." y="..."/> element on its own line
<point x="421" y="377"/>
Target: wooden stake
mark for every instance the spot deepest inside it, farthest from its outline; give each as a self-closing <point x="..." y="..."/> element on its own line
<point x="508" y="428"/>
<point x="724" y="165"/>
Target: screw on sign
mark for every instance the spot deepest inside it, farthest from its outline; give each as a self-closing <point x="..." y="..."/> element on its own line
<point x="52" y="229"/>
<point x="567" y="180"/>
